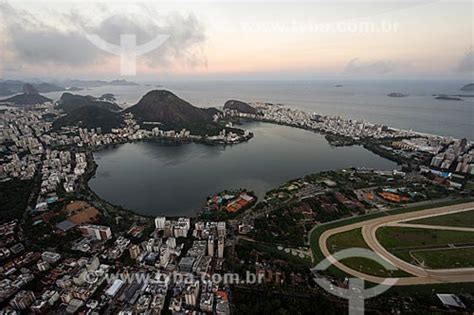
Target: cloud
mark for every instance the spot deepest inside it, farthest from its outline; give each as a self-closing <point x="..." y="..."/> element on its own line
<point x="31" y="40"/>
<point x="466" y="64"/>
<point x="186" y="36"/>
<point x="356" y="66"/>
<point x="53" y="47"/>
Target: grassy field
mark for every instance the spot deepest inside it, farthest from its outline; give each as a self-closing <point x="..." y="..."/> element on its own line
<point x="316" y="233"/>
<point x="353" y="238"/>
<point x="403" y="237"/>
<point x="461" y="219"/>
<point x="408" y="244"/>
<point x="446" y="258"/>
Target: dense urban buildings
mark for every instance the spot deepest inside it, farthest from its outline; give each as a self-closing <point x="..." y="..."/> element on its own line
<point x="108" y="260"/>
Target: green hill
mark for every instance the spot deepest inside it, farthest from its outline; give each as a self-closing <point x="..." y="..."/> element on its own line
<point x="240" y="106"/>
<point x="90" y="117"/>
<point x="173" y="113"/>
<point x="69" y="102"/>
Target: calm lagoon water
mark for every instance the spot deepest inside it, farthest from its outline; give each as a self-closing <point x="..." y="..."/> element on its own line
<point x="174" y="180"/>
<point x="157" y="179"/>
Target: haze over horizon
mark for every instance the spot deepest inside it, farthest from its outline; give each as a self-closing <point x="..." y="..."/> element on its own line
<point x="236" y="40"/>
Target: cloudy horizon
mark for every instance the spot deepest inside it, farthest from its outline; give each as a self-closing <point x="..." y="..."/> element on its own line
<point x="234" y="40"/>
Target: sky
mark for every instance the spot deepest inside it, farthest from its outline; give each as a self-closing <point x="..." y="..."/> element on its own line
<point x="237" y="39"/>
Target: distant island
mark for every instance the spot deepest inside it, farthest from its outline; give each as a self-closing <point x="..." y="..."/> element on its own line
<point x="468" y="87"/>
<point x="74" y="89"/>
<point x="30" y="96"/>
<point x="12" y="87"/>
<point x="397" y="94"/>
<point x="122" y="82"/>
<point x="48" y="87"/>
<point x="95" y="83"/>
<point x="448" y="98"/>
<point x="463" y="95"/>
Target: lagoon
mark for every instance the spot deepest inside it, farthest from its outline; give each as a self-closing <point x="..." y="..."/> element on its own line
<point x="154" y="178"/>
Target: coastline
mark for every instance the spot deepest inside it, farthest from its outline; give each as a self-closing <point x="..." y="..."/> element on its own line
<point x="343" y="141"/>
<point x="371" y="144"/>
<point x="86" y="193"/>
<point x="91" y="194"/>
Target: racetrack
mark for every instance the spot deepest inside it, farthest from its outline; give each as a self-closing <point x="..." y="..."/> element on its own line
<point x="420" y="275"/>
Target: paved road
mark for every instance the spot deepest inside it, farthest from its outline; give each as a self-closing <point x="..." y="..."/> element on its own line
<point x="420" y="275"/>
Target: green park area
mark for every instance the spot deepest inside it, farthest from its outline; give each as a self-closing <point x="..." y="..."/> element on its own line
<point x="412" y="245"/>
<point x="460" y="219"/>
<point x="319" y="230"/>
<point x="404" y="237"/>
<point x="351" y="239"/>
<point x="445" y="258"/>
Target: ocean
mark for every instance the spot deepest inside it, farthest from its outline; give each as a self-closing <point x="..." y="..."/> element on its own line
<point x="355" y="99"/>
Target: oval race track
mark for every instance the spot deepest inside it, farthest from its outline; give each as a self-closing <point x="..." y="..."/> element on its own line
<point x="420" y="275"/>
